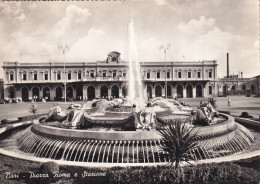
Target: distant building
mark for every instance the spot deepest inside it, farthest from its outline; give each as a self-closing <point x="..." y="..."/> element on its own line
<point x="235" y="85"/>
<point x="1" y="88"/>
<point x="109" y="78"/>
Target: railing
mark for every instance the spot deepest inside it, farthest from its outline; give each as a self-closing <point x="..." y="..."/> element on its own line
<point x="69" y="81"/>
<point x="179" y="79"/>
<point x="233" y="79"/>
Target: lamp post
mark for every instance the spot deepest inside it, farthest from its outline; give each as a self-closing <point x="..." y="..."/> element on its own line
<point x="165" y="48"/>
<point x="64" y="49"/>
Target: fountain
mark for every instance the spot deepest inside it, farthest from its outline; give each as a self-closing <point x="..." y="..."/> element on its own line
<point x="135" y="86"/>
<point x="103" y="131"/>
<point x="80" y="135"/>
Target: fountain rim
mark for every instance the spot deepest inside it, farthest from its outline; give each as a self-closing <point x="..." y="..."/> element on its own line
<point x="110" y="165"/>
<point x="88" y="164"/>
<point x="139" y="134"/>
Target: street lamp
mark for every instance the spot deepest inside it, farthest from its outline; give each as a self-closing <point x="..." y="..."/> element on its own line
<point x="64" y="49"/>
<point x="165" y="48"/>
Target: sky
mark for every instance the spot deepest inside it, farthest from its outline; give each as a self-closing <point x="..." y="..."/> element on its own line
<point x="196" y="30"/>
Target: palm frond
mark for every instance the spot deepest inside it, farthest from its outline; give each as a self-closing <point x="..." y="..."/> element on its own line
<point x="178" y="139"/>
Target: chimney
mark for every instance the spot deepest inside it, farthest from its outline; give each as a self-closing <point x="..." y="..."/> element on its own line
<point x="227" y="65"/>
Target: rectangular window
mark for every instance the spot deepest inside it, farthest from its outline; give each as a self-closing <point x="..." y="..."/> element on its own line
<point x="104" y="74"/>
<point x="158" y="75"/>
<point x="198" y="74"/>
<point x="168" y="75"/>
<point x="79" y="76"/>
<point x="114" y="74"/>
<point x="92" y="75"/>
<point x="46" y="76"/>
<point x="189" y="74"/>
<point x="58" y="76"/>
<point x="210" y="74"/>
<point x="69" y="76"/>
<point x="148" y="75"/>
<point x="11" y="76"/>
<point x="35" y="76"/>
<point x="179" y="75"/>
<point x="124" y="75"/>
<point x="24" y="76"/>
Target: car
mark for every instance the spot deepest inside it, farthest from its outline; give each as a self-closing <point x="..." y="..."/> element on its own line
<point x="2" y="101"/>
<point x="7" y="100"/>
<point x="14" y="100"/>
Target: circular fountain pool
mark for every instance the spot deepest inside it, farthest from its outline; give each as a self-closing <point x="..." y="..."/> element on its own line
<point x="110" y="143"/>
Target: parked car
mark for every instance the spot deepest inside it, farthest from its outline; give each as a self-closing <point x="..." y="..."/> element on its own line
<point x="14" y="100"/>
<point x="7" y="100"/>
<point x="2" y="101"/>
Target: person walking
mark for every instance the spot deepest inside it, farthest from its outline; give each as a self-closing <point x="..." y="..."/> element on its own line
<point x="229" y="101"/>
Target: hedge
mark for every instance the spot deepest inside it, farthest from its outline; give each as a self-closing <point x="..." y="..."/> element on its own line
<point x="30" y="117"/>
<point x="205" y="173"/>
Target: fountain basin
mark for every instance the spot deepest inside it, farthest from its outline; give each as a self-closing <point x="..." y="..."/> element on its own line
<point x="140" y="146"/>
<point x="50" y="131"/>
<point x="61" y="133"/>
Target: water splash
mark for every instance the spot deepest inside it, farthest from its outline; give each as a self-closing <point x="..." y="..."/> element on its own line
<point x="136" y="93"/>
<point x="131" y="151"/>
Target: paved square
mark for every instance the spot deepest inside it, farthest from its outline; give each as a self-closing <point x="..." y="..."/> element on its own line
<point x="239" y="104"/>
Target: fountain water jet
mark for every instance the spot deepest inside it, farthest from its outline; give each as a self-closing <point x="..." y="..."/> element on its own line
<point x="136" y="93"/>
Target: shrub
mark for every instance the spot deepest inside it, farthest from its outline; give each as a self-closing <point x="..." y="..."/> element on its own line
<point x="33" y="109"/>
<point x="205" y="173"/>
<point x="245" y="115"/>
<point x="4" y="121"/>
<point x="49" y="168"/>
<point x="178" y="140"/>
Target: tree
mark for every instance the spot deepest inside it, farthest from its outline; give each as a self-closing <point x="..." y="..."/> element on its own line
<point x="178" y="140"/>
<point x="34" y="109"/>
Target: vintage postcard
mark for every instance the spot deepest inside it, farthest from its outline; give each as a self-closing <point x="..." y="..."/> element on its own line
<point x="129" y="91"/>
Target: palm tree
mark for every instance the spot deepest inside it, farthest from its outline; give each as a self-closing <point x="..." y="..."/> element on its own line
<point x="178" y="140"/>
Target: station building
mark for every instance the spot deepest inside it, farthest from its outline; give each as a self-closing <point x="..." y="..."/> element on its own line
<point x="88" y="80"/>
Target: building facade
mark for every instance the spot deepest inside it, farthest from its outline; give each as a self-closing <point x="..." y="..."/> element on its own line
<point x="109" y="78"/>
<point x="1" y="88"/>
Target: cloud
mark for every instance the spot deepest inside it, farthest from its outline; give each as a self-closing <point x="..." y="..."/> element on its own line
<point x="75" y="14"/>
<point x="39" y="44"/>
<point x="149" y="50"/>
<point x="202" y="39"/>
<point x="90" y="46"/>
<point x="196" y="27"/>
<point x="28" y="48"/>
<point x="72" y="25"/>
<point x="21" y="17"/>
<point x="161" y="2"/>
<point x="10" y="11"/>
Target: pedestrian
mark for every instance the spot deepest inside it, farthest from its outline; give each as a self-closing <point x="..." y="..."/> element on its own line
<point x="229" y="101"/>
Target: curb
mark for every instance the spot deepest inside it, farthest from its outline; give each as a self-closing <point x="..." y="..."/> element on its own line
<point x="248" y="122"/>
<point x="109" y="165"/>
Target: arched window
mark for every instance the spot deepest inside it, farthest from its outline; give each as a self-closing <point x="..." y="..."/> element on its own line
<point x="158" y="91"/>
<point x="91" y="92"/>
<point x="179" y="91"/>
<point x="243" y="87"/>
<point x="252" y="89"/>
<point x="198" y="91"/>
<point x="210" y="90"/>
<point x="189" y="91"/>
<point x="115" y="91"/>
